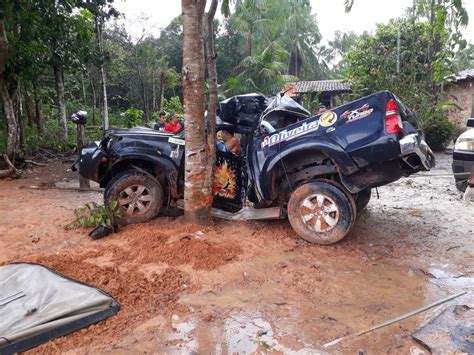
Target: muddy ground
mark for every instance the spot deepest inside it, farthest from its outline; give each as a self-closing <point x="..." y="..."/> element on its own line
<point x="251" y="287"/>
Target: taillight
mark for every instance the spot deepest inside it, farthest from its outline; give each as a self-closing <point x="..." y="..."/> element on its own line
<point x="393" y="121"/>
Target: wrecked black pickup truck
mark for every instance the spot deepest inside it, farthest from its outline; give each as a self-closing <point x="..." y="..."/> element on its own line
<point x="316" y="170"/>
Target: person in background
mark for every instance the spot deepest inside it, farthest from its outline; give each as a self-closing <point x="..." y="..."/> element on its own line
<point x="174" y="126"/>
<point x="161" y="122"/>
<point x="322" y="109"/>
<point x="231" y="142"/>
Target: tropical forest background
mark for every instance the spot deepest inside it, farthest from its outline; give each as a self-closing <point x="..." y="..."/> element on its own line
<point x="62" y="56"/>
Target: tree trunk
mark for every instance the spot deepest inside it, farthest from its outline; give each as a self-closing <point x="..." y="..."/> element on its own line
<point x="30" y="108"/>
<point x="84" y="96"/>
<point x="19" y="118"/>
<point x="162" y="90"/>
<point x="12" y="125"/>
<point x="249" y="41"/>
<point x="94" y="98"/>
<point x="153" y="92"/>
<point x="104" y="98"/>
<point x="197" y="190"/>
<point x="98" y="32"/>
<point x="81" y="138"/>
<point x="59" y="78"/>
<point x="39" y="111"/>
<point x="211" y="57"/>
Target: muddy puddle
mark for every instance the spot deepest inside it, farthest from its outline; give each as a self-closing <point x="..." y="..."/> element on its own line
<point x="268" y="310"/>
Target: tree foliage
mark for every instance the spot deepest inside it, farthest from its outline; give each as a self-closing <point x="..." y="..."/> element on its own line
<point x="372" y="66"/>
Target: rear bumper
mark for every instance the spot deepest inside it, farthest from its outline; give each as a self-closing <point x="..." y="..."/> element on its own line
<point x="415" y="151"/>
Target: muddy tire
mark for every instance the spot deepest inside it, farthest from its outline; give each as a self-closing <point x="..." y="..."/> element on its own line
<point x="321" y="212"/>
<point x="139" y="195"/>
<point x="362" y="200"/>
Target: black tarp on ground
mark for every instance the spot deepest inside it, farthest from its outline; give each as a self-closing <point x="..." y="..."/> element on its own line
<point x="38" y="304"/>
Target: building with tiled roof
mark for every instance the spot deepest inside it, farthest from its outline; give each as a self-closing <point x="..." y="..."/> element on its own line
<point x="459" y="89"/>
<point x="325" y="91"/>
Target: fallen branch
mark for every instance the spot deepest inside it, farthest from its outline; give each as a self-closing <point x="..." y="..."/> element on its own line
<point x="34" y="163"/>
<point x="47" y="152"/>
<point x="59" y="188"/>
<point x="11" y="171"/>
<point x="395" y="320"/>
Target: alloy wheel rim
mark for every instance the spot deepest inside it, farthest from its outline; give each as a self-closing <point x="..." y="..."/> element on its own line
<point x="135" y="199"/>
<point x="319" y="213"/>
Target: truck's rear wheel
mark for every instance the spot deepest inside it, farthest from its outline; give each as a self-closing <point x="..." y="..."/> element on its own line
<point x="321" y="212"/>
<point x="139" y="196"/>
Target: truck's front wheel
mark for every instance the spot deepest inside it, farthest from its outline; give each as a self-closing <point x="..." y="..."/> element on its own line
<point x="139" y="196"/>
<point x="321" y="212"/>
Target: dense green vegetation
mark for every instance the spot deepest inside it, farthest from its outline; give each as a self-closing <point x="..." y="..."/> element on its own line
<point x="65" y="55"/>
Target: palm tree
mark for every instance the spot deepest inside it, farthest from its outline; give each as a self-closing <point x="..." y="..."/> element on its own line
<point x="262" y="73"/>
<point x="167" y="78"/>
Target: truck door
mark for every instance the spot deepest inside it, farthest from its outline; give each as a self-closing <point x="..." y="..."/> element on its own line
<point x="228" y="182"/>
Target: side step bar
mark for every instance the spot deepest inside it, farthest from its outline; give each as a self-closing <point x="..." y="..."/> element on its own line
<point x="246" y="213"/>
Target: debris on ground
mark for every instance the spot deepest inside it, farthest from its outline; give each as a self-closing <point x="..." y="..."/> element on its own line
<point x="450" y="332"/>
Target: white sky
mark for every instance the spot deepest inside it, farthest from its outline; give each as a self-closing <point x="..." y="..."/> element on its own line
<point x="151" y="15"/>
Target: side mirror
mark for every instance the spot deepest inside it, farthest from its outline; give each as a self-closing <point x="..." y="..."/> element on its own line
<point x="470" y="122"/>
<point x="79" y="117"/>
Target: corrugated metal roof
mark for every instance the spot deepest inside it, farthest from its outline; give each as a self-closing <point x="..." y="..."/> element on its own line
<point x="467" y="74"/>
<point x="322" y="85"/>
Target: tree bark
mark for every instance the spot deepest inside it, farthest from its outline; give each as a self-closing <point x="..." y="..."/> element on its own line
<point x="11" y="171"/>
<point x="249" y="41"/>
<point x="104" y="98"/>
<point x="211" y="57"/>
<point x="59" y="78"/>
<point x="12" y="125"/>
<point x="30" y="108"/>
<point x="197" y="191"/>
<point x="94" y="97"/>
<point x="153" y="92"/>
<point x="84" y="96"/>
<point x="99" y="37"/>
<point x="162" y="90"/>
<point x="19" y="118"/>
<point x="81" y="138"/>
<point x="39" y="111"/>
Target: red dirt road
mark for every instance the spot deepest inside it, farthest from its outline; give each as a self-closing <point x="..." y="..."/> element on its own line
<point x="250" y="287"/>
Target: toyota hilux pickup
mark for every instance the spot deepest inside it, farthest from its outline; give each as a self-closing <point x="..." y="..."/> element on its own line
<point x="315" y="170"/>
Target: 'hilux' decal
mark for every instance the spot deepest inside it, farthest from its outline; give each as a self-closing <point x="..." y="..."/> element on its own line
<point x="286" y="135"/>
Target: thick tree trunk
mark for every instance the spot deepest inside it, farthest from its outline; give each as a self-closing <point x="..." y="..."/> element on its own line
<point x="12" y="125"/>
<point x="197" y="190"/>
<point x="39" y="111"/>
<point x="211" y="57"/>
<point x="59" y="78"/>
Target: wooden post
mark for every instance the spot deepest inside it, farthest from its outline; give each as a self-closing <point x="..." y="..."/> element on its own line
<point x="81" y="138"/>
